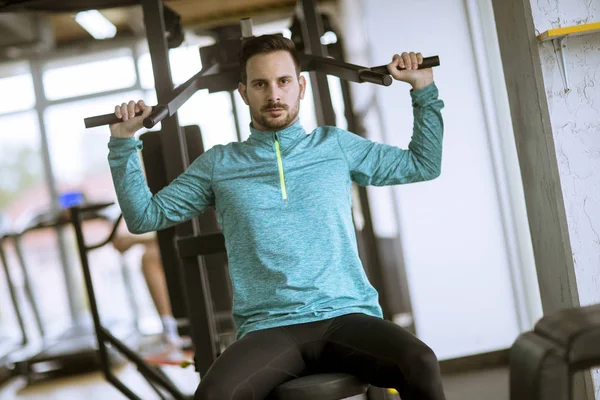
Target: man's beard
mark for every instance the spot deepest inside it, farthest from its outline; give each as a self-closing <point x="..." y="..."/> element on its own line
<point x="278" y="123"/>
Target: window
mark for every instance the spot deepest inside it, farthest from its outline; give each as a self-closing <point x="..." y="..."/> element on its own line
<point x="337" y="100"/>
<point x="23" y="192"/>
<point x="89" y="74"/>
<point x="22" y="186"/>
<point x="184" y="62"/>
<point x="212" y="112"/>
<point x="17" y="93"/>
<point x="79" y="155"/>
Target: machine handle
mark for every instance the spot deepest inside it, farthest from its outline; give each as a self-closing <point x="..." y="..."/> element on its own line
<point x="378" y="78"/>
<point x="106" y="119"/>
<point x="158" y="114"/>
<point x="428" y="62"/>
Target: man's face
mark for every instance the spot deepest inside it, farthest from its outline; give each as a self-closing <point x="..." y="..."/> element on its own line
<point x="273" y="90"/>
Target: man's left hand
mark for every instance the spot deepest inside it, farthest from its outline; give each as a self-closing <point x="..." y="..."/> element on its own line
<point x="418" y="78"/>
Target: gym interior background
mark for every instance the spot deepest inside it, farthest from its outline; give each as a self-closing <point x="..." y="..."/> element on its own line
<point x="470" y="244"/>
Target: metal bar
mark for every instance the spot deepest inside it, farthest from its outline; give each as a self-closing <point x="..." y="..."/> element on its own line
<point x="153" y="386"/>
<point x="173" y="148"/>
<point x="111" y="235"/>
<point x="312" y="30"/>
<point x="28" y="286"/>
<point x="119" y="385"/>
<point x="428" y="62"/>
<point x="77" y="222"/>
<point x="163" y="83"/>
<point x="36" y="75"/>
<point x="201" y="245"/>
<point x="102" y="334"/>
<point x="217" y="78"/>
<point x="145" y="369"/>
<point x="236" y="120"/>
<point x="13" y="295"/>
<point x="203" y="327"/>
<point x="210" y="79"/>
<point x="183" y="92"/>
<point x="343" y="70"/>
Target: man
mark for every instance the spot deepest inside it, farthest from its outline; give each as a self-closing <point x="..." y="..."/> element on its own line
<point x="302" y="301"/>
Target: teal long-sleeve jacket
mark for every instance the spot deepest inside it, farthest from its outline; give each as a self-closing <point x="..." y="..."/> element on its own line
<point x="284" y="204"/>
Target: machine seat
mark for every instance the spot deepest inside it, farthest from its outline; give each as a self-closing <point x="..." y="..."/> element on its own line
<point x="331" y="386"/>
<point x="577" y="331"/>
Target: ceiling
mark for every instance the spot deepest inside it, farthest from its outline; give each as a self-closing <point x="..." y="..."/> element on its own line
<point x="128" y="20"/>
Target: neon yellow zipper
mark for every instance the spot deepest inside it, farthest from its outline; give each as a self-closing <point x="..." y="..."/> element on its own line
<point x="281" y="175"/>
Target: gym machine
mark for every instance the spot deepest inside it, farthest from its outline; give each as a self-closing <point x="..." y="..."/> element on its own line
<point x="153" y="374"/>
<point x="543" y="361"/>
<point x="221" y="73"/>
<point x="108" y="339"/>
<point x="7" y="343"/>
<point x="75" y="348"/>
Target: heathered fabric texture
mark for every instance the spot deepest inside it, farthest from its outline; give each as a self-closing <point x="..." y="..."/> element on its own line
<point x="296" y="260"/>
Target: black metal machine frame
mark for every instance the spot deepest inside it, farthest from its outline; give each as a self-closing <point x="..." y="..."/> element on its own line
<point x="73" y="349"/>
<point x="221" y="73"/>
<point x="543" y="361"/>
<point x="153" y="375"/>
<point x="6" y="367"/>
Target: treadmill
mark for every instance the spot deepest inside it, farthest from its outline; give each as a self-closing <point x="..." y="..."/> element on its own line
<point x="74" y="349"/>
<point x="9" y="344"/>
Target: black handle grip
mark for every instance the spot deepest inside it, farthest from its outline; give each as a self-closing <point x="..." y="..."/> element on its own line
<point x="428" y="62"/>
<point x="158" y="114"/>
<point x="106" y="119"/>
<point x="384" y="79"/>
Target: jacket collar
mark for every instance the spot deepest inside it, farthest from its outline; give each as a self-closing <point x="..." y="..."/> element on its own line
<point x="285" y="136"/>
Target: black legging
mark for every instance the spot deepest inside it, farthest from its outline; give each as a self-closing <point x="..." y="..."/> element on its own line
<point x="377" y="351"/>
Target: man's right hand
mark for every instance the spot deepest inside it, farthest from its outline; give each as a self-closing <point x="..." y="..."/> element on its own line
<point x="131" y="124"/>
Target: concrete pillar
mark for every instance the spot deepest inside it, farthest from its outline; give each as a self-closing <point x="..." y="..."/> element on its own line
<point x="558" y="141"/>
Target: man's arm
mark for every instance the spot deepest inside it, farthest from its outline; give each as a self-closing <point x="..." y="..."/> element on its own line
<point x="184" y="198"/>
<point x="378" y="164"/>
<point x="187" y="196"/>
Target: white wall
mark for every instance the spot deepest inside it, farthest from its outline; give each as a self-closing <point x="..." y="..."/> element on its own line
<point x="575" y="119"/>
<point x="456" y="243"/>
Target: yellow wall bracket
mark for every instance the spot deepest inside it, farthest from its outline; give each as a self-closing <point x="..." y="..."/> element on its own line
<point x="558" y="37"/>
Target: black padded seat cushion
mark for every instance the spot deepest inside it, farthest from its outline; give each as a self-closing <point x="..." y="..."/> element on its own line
<point x="62" y="5"/>
<point x="538" y="369"/>
<point x="577" y="331"/>
<point x="333" y="386"/>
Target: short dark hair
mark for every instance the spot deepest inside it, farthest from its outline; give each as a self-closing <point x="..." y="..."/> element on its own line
<point x="266" y="44"/>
